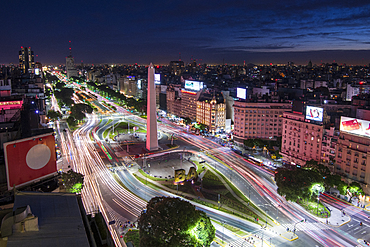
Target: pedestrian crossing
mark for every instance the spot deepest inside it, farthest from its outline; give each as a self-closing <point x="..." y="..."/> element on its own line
<point x="306" y="226"/>
<point x="241" y="242"/>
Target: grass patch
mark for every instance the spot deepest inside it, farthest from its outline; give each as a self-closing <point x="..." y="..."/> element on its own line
<point x="311" y="206"/>
<point x="211" y="205"/>
<point x="147" y="183"/>
<point x="200" y="168"/>
<point x="153" y="178"/>
<point x="238" y="192"/>
<point x="235" y="230"/>
<point x="134" y="237"/>
<point x="186" y="187"/>
<point x="172" y="146"/>
<point x="212" y="186"/>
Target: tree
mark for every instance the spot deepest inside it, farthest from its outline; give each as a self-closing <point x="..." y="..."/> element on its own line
<point x="296" y="184"/>
<point x="71" y="121"/>
<point x="332" y="181"/>
<point x="187" y="121"/>
<point x="342" y="187"/>
<point x="317" y="167"/>
<point x="173" y="222"/>
<point x="78" y="111"/>
<point x="73" y="181"/>
<point x="355" y="189"/>
<point x="54" y="115"/>
<point x="249" y="143"/>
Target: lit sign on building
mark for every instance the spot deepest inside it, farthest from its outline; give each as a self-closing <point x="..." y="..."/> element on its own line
<point x="189" y="92"/>
<point x="193" y="85"/>
<point x="157" y="78"/>
<point x="355" y="126"/>
<point x="241" y="93"/>
<point x="314" y="113"/>
<point x="139" y="84"/>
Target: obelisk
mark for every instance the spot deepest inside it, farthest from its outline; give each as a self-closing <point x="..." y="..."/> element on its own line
<point x="151" y="121"/>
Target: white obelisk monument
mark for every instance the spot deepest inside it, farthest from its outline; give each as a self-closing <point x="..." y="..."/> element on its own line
<point x="151" y="122"/>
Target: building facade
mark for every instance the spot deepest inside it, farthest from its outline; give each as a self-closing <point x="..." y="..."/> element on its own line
<point x="329" y="142"/>
<point x="352" y="159"/>
<point x="173" y="98"/>
<point x="211" y="111"/>
<point x="26" y="59"/>
<point x="301" y="140"/>
<point x="258" y="120"/>
<point x="189" y="103"/>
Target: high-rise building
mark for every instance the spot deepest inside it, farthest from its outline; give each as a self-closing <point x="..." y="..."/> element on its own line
<point x="70" y="64"/>
<point x="26" y="59"/>
<point x="352" y="157"/>
<point x="176" y="67"/>
<point x="189" y="100"/>
<point x="173" y="98"/>
<point x="211" y="111"/>
<point x="301" y="139"/>
<point x="258" y="120"/>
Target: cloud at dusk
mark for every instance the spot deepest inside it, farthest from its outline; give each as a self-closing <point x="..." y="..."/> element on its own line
<point x="214" y="31"/>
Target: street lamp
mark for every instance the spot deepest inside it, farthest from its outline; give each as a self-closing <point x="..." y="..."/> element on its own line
<point x="317" y="209"/>
<point x="182" y="158"/>
<point x="223" y="230"/>
<point x="147" y="174"/>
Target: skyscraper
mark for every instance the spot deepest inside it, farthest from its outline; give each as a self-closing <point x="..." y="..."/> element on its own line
<point x="70" y="64"/>
<point x="26" y="59"/>
<point x="151" y="124"/>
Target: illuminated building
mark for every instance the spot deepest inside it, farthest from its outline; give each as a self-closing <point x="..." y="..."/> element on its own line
<point x="70" y="64"/>
<point x="211" y="111"/>
<point x="189" y="100"/>
<point x="128" y="86"/>
<point x="301" y="139"/>
<point x="351" y="157"/>
<point x="176" y="67"/>
<point x="258" y="120"/>
<point x="26" y="59"/>
<point x="173" y="93"/>
<point x="329" y="141"/>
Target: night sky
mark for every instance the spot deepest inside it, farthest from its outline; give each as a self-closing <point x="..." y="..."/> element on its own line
<point x="141" y="31"/>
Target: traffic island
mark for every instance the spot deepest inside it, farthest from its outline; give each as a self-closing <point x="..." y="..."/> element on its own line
<point x="290" y="236"/>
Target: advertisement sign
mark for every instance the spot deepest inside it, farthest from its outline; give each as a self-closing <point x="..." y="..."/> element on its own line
<point x="193" y="85"/>
<point x="139" y="84"/>
<point x="241" y="93"/>
<point x="355" y="126"/>
<point x="314" y="113"/>
<point x="157" y="78"/>
<point x="30" y="159"/>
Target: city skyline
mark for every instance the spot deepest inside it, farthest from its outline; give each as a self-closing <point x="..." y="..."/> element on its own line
<point x="219" y="32"/>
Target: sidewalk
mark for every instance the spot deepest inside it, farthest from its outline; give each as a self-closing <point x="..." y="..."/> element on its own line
<point x="337" y="218"/>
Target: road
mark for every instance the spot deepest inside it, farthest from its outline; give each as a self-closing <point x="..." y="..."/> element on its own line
<point x="103" y="191"/>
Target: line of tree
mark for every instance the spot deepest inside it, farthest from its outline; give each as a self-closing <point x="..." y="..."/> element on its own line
<point x="297" y="184"/>
<point x="139" y="105"/>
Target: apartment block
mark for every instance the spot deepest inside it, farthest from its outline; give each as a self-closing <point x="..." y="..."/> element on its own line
<point x="258" y="120"/>
<point x="301" y="139"/>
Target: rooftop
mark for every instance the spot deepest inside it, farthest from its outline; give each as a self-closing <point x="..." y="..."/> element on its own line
<point x="59" y="217"/>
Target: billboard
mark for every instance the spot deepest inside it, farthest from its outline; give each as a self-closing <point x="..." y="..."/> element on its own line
<point x="139" y="84"/>
<point x="355" y="126"/>
<point x="193" y="85"/>
<point x="241" y="93"/>
<point x="29" y="159"/>
<point x="314" y="113"/>
<point x="157" y="78"/>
